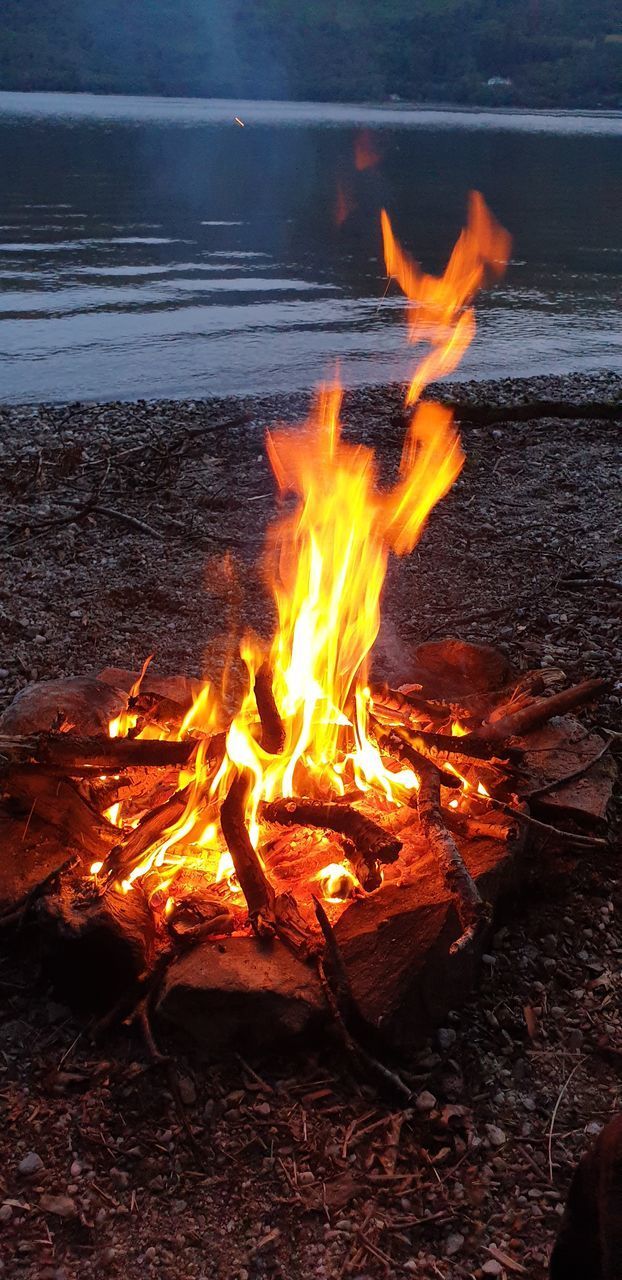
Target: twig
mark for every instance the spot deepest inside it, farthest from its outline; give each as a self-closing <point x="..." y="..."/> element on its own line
<point x="560" y="1096"/>
<point x="473" y="913"/>
<point x="568" y="777"/>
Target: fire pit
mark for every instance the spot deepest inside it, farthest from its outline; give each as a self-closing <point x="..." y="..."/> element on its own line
<point x="327" y="843"/>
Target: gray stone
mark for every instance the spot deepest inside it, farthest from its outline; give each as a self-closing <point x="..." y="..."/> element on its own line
<point x="30" y="1164"/>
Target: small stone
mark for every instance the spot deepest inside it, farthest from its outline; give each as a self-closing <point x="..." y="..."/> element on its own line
<point x="263" y="1109"/>
<point x="306" y="1177"/>
<point x="187" y="1091"/>
<point x="6" y="1213"/>
<point x="453" y="1244"/>
<point x="425" y="1101"/>
<point x="61" y="1206"/>
<point x="492" y="1268"/>
<point x="30" y="1164"/>
<point x="446" y="1037"/>
<point x="575" y="1038"/>
<point x="495" y="1135"/>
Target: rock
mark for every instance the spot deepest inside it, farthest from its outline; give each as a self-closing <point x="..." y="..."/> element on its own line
<point x="187" y="1091"/>
<point x="492" y="1268"/>
<point x="396" y="942"/>
<point x="6" y="1213"/>
<point x="61" y="1206"/>
<point x="495" y="1135"/>
<point x="425" y="1101"/>
<point x="556" y="750"/>
<point x="30" y="1164"/>
<point x="446" y="1037"/>
<point x="81" y="702"/>
<point x="239" y="993"/>
<point x="453" y="1244"/>
<point x="451" y="668"/>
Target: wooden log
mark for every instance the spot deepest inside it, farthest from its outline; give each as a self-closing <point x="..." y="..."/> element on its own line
<point x="514" y="725"/>
<point x="58" y="802"/>
<point x="272" y="727"/>
<point x="423" y="740"/>
<point x="68" y="751"/>
<point x="130" y="853"/>
<point x="474" y="914"/>
<point x="371" y="840"/>
<point x="409" y="703"/>
<point x="254" y="883"/>
<point x="397" y="741"/>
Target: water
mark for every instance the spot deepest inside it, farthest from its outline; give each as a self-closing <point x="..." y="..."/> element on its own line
<point x="153" y="247"/>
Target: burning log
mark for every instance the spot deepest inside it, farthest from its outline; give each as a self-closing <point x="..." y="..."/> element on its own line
<point x="495" y="734"/>
<point x="70" y="753"/>
<point x="368" y="843"/>
<point x="474" y="914"/>
<point x="254" y="883"/>
<point x="125" y="857"/>
<point x="272" y="728"/>
<point x="447" y="744"/>
<point x="398" y="741"/>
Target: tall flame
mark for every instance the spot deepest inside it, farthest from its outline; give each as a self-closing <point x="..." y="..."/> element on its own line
<point x="327" y="563"/>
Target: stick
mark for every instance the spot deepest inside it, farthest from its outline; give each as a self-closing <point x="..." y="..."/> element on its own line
<point x="272" y="727"/>
<point x="446" y="743"/>
<point x="129" y="854"/>
<point x="254" y="883"/>
<point x="370" y="839"/>
<point x="496" y="733"/>
<point x="473" y="913"/>
<point x="69" y="751"/>
<point x="398" y="740"/>
<point x="568" y="777"/>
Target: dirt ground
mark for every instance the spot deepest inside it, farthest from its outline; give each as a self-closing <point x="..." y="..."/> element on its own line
<point x="130" y="529"/>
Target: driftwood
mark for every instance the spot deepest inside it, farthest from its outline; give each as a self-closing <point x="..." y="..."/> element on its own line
<point x="485" y="414"/>
<point x="473" y="913"/>
<point x="69" y="752"/>
<point x="495" y="734"/>
<point x="372" y="843"/>
<point x="254" y="883"/>
<point x="272" y="728"/>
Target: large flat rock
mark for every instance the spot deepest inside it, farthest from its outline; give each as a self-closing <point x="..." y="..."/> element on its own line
<point x="240" y="993"/>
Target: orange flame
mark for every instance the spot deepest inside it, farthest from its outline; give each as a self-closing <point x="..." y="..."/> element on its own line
<point x="327" y="563"/>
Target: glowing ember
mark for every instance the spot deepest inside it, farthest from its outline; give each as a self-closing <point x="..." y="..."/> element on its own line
<point x="327" y="563"/>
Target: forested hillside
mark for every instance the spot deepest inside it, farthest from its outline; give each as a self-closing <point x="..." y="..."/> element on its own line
<point x="562" y="53"/>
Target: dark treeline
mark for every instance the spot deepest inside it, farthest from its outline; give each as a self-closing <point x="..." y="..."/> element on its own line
<point x="554" y="53"/>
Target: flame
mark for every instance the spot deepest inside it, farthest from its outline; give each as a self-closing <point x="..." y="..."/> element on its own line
<point x="326" y="563"/>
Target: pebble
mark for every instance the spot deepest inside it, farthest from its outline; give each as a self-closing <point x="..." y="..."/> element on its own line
<point x="425" y="1101"/>
<point x="446" y="1037"/>
<point x="495" y="1135"/>
<point x="187" y="1091"/>
<point x="6" y="1213"/>
<point x="30" y="1164"/>
<point x="453" y="1244"/>
<point x="492" y="1268"/>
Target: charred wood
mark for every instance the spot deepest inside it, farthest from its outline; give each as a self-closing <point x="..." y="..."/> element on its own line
<point x="58" y="802"/>
<point x="100" y="945"/>
<point x="254" y="883"/>
<point x="398" y="741"/>
<point x="272" y="728"/>
<point x="69" y="752"/>
<point x="371" y="841"/>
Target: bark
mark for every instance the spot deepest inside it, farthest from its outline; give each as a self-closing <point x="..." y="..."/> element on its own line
<point x="58" y="802"/>
<point x="398" y="742"/>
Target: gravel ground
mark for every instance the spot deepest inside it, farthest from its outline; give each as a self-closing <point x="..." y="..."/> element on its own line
<point x="292" y="1166"/>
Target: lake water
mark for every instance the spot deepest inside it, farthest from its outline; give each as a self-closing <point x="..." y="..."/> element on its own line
<point x="153" y="247"/>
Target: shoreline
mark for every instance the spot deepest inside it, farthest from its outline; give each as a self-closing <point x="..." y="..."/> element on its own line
<point x="179" y="485"/>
